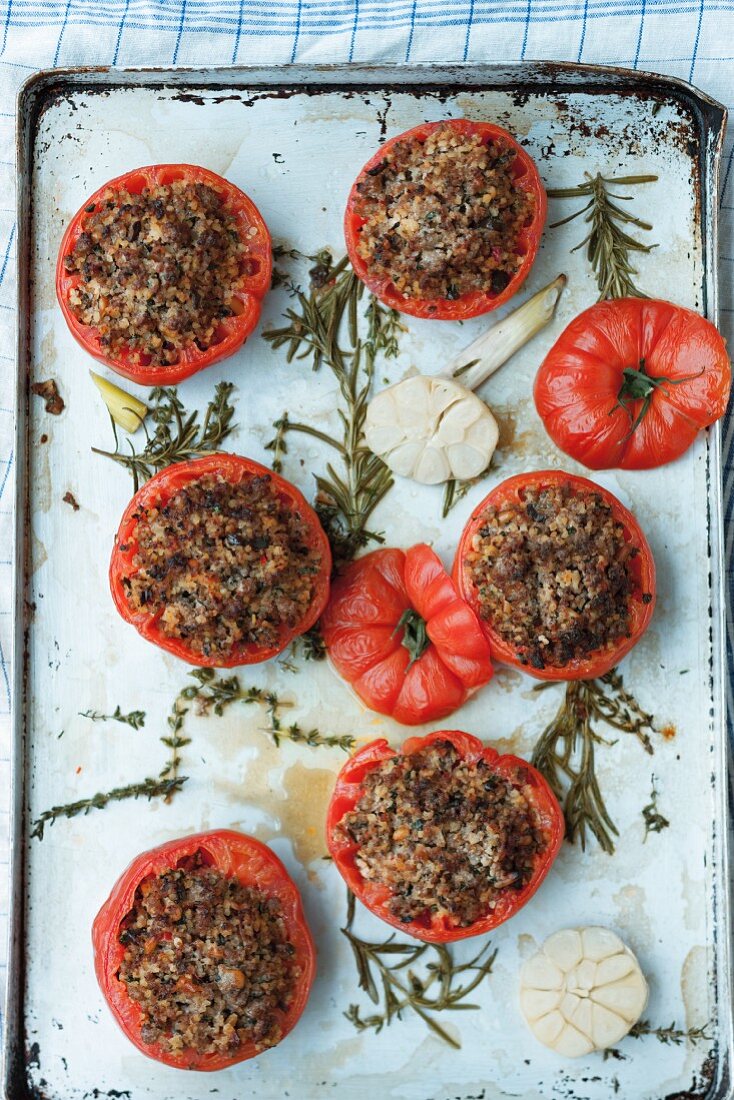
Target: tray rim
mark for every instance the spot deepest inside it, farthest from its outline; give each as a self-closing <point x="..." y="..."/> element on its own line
<point x="711" y="117"/>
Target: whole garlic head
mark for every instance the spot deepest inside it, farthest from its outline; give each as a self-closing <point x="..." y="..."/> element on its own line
<point x="583" y="991"/>
<point x="431" y="429"/>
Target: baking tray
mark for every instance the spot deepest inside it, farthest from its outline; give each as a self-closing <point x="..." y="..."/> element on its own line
<point x="293" y="137"/>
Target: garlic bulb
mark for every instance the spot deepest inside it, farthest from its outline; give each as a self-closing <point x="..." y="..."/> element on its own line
<point x="431" y="429"/>
<point x="583" y="991"/>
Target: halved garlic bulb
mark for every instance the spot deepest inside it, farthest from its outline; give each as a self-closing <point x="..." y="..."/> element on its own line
<point x="431" y="429"/>
<point x="583" y="991"/>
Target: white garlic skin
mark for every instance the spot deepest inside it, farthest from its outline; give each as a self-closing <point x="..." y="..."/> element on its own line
<point x="583" y="991"/>
<point x="431" y="430"/>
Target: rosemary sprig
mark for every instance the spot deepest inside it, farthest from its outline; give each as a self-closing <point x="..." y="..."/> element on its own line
<point x="215" y="694"/>
<point x="387" y="976"/>
<point x="654" y="820"/>
<point x="454" y="491"/>
<point x="565" y="751"/>
<point x="325" y="327"/>
<point x="135" y="719"/>
<point x="178" y="436"/>
<point x="608" y="245"/>
<point x="147" y="788"/>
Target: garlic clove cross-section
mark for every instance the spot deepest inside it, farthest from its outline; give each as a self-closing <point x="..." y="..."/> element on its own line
<point x="583" y="991"/>
<point x="431" y="430"/>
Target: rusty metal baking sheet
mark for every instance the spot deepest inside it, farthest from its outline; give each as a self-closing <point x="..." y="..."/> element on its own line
<point x="293" y="139"/>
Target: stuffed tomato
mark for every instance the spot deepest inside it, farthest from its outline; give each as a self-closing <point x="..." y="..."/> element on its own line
<point x="397" y="631"/>
<point x="443" y="839"/>
<point x="162" y="272"/>
<point x="559" y="573"/>
<point x="631" y="383"/>
<point x="220" y="561"/>
<point x="203" y="953"/>
<point x="445" y="220"/>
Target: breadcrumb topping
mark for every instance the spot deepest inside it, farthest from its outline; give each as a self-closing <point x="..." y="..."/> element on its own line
<point x="447" y="836"/>
<point x="553" y="574"/>
<point x="208" y="961"/>
<point x="157" y="270"/>
<point x="443" y="217"/>
<point x="223" y="564"/>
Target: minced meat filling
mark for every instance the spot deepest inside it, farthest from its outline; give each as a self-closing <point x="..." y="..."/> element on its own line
<point x="553" y="574"/>
<point x="157" y="270"/>
<point x="443" y="217"/>
<point x="447" y="837"/>
<point x="223" y="564"/>
<point x="207" y="960"/>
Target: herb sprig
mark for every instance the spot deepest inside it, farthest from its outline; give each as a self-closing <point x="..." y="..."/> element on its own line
<point x="668" y="1036"/>
<point x="216" y="694"/>
<point x="178" y="435"/>
<point x="671" y="1035"/>
<point x="135" y="719"/>
<point x="609" y="247"/>
<point x="386" y="974"/>
<point x="147" y="788"/>
<point x="654" y="820"/>
<point x="565" y="751"/>
<point x="325" y="327"/>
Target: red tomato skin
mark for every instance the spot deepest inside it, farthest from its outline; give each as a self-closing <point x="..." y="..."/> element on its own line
<point x="478" y="302"/>
<point x="642" y="566"/>
<point x="578" y="383"/>
<point x="374" y="896"/>
<point x="161" y="488"/>
<point x="364" y="642"/>
<point x="233" y="331"/>
<point x="253" y="864"/>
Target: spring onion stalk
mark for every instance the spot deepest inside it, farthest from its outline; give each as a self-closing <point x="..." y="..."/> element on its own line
<point x="126" y="411"/>
<point x="489" y="351"/>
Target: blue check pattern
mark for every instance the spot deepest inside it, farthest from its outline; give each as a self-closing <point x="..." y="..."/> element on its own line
<point x="692" y="39"/>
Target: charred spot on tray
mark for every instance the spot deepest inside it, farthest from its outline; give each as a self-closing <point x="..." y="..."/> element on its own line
<point x="443" y="216"/>
<point x="69" y="498"/>
<point x="43" y="439"/>
<point x="49" y="391"/>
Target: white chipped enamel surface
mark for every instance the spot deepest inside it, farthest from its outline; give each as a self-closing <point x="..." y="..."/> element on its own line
<point x="656" y="895"/>
<point x="431" y="429"/>
<point x="582" y="992"/>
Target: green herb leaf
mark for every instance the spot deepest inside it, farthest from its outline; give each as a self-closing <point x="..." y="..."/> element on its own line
<point x="148" y="788"/>
<point x="380" y="970"/>
<point x="325" y="327"/>
<point x="135" y="719"/>
<point x="565" y="751"/>
<point x="178" y="436"/>
<point x="608" y="246"/>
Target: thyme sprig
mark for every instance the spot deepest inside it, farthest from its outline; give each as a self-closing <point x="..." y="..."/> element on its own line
<point x="386" y="974"/>
<point x="135" y="719"/>
<point x="147" y="788"/>
<point x="211" y="693"/>
<point x="672" y="1035"/>
<point x="654" y="820"/>
<point x="608" y="245"/>
<point x="325" y="326"/>
<point x="178" y="435"/>
<point x="565" y="751"/>
<point x="668" y="1036"/>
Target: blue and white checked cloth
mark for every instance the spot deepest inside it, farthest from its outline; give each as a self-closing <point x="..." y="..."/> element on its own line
<point x="692" y="39"/>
